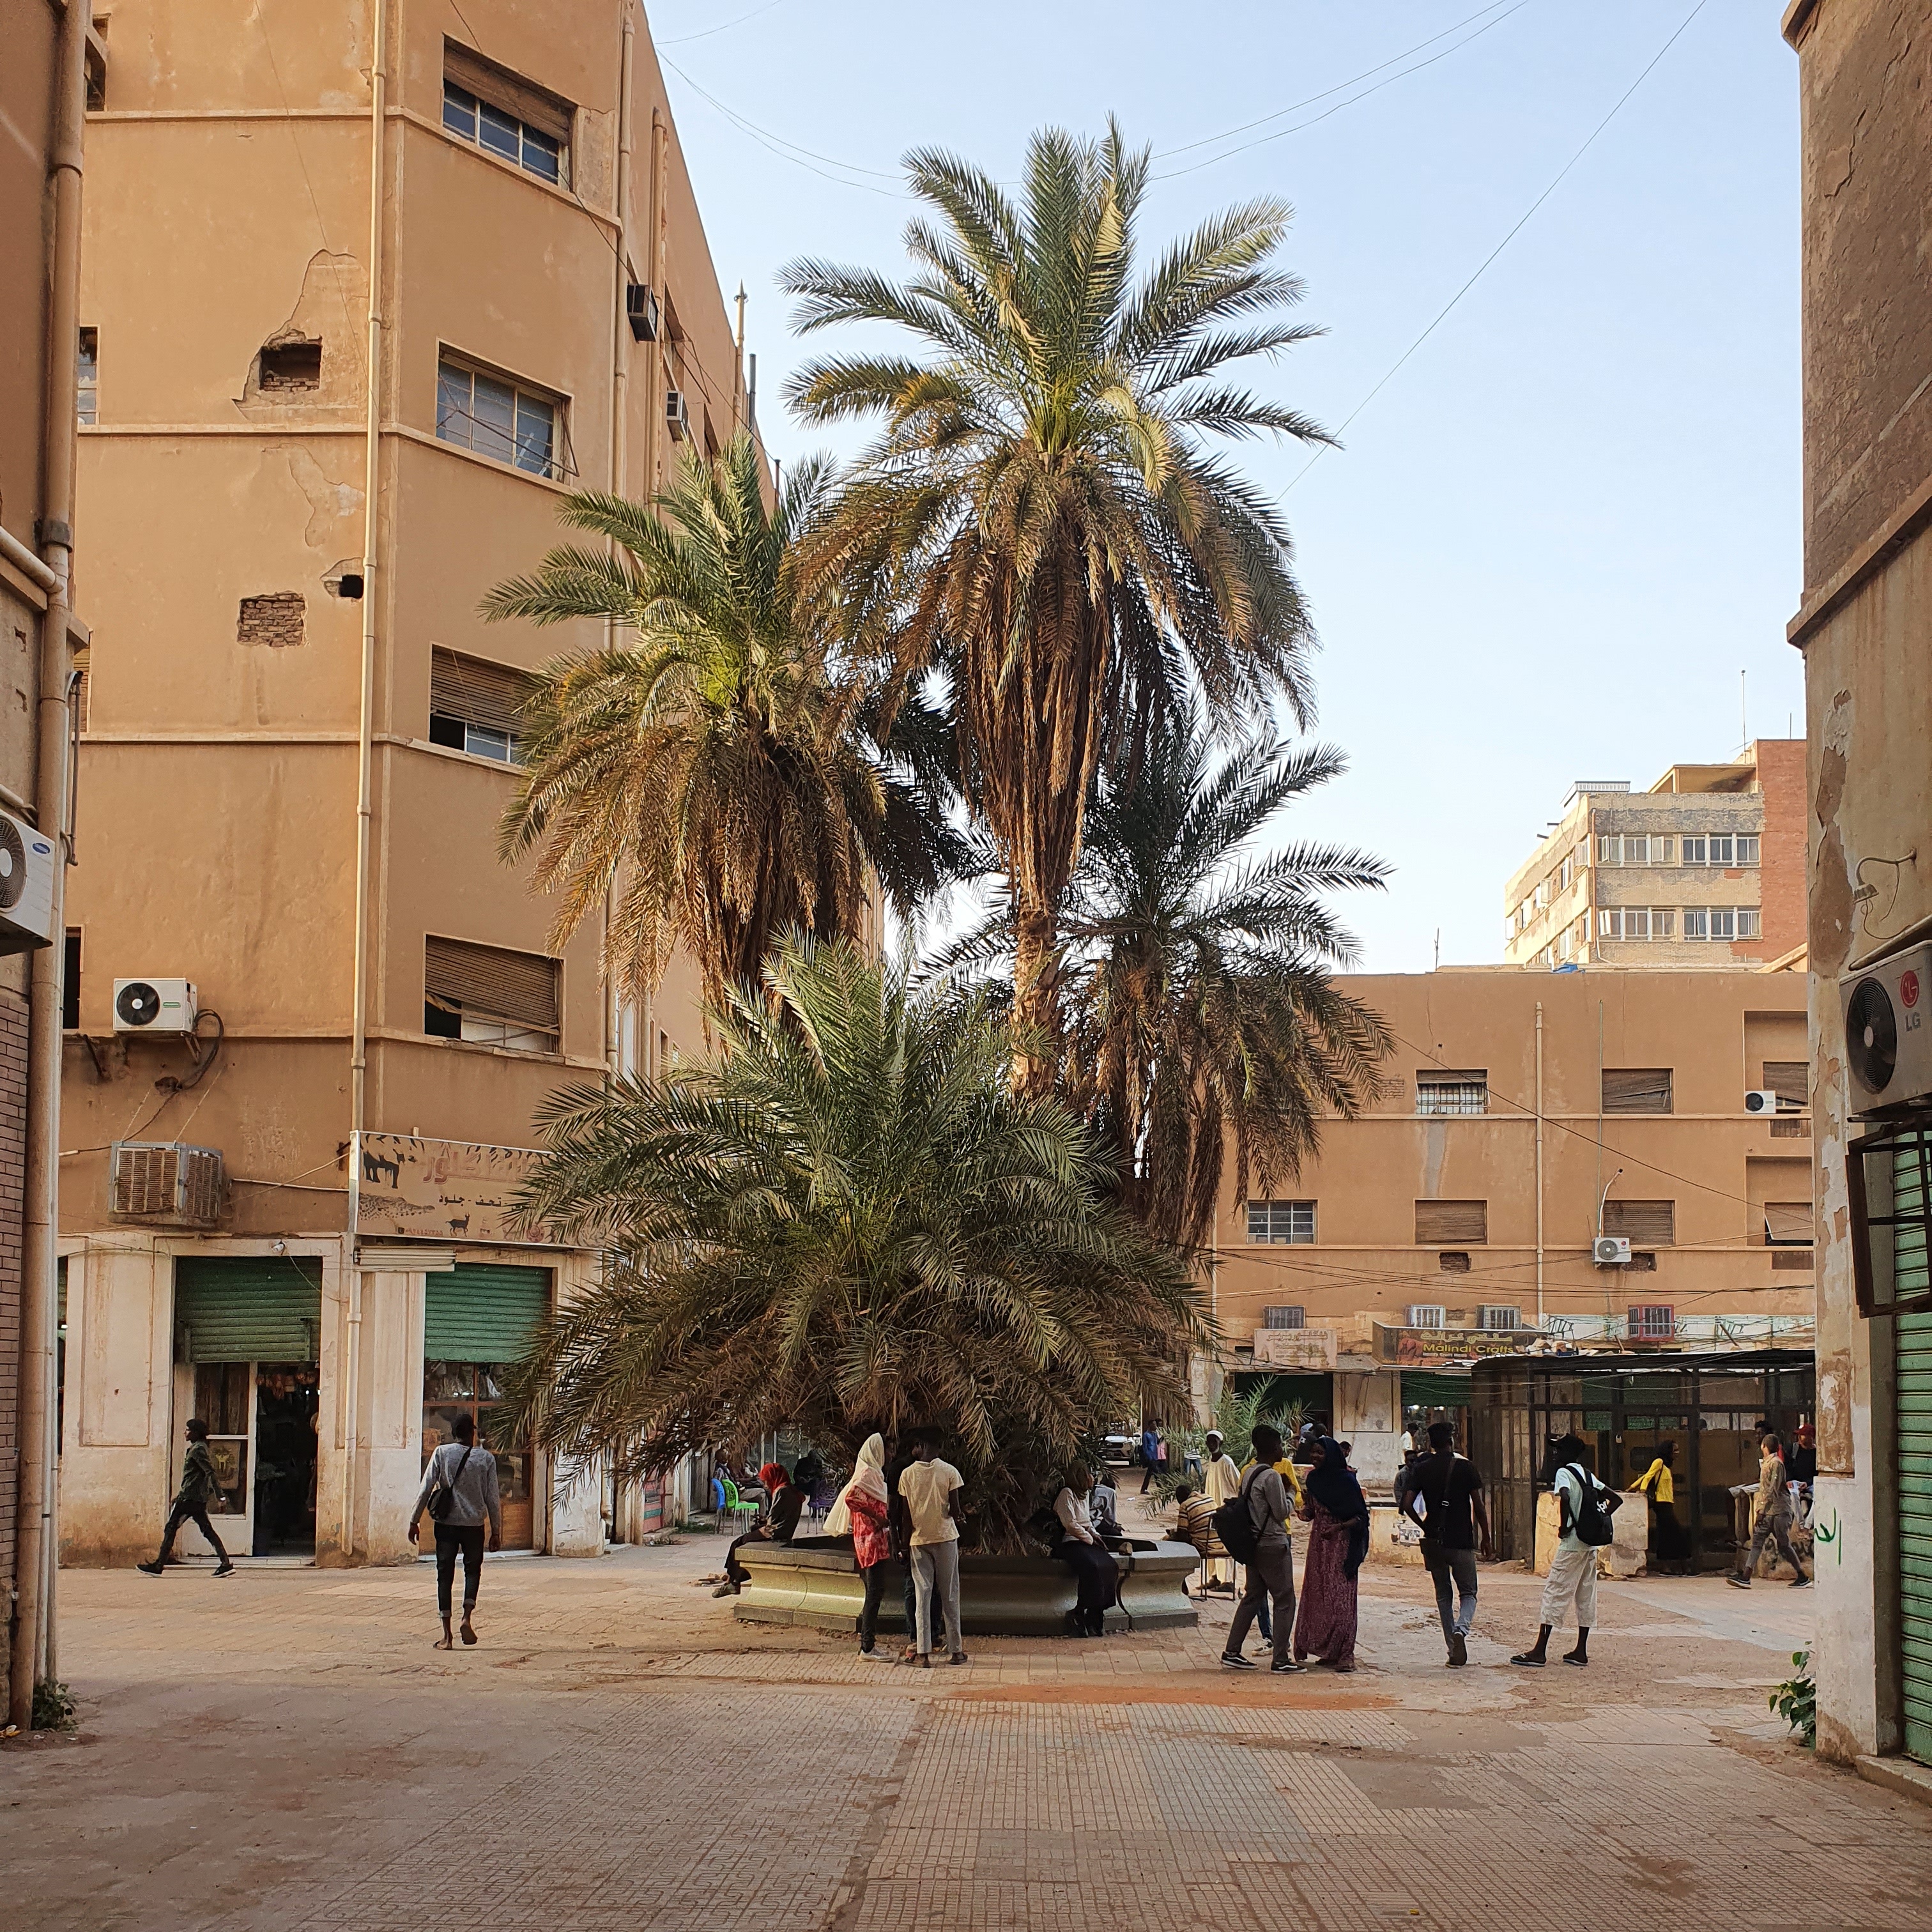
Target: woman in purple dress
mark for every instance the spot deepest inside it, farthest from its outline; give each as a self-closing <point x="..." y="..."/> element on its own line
<point x="1337" y="1514"/>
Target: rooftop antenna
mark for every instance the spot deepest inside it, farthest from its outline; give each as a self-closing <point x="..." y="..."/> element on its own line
<point x="1438" y="949"/>
<point x="738" y="388"/>
<point x="1744" y="708"/>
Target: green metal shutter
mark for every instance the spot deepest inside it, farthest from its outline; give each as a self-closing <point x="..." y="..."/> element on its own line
<point x="258" y="1308"/>
<point x="481" y="1313"/>
<point x="1915" y="1526"/>
<point x="1423" y="1388"/>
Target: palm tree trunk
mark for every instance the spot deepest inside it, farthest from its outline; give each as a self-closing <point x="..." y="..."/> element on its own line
<point x="1037" y="1002"/>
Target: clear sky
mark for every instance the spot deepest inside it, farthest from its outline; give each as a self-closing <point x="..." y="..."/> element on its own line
<point x="1555" y="538"/>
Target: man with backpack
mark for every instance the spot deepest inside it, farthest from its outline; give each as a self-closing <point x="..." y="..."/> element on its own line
<point x="1253" y="1528"/>
<point x="1584" y="1507"/>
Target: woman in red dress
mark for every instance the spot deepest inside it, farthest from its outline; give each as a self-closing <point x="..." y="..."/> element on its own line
<point x="862" y="1509"/>
<point x="1337" y="1514"/>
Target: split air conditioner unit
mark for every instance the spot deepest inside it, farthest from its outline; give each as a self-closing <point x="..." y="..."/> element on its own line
<point x="167" y="1183"/>
<point x="1611" y="1251"/>
<point x="154" y="1006"/>
<point x="1888" y="1044"/>
<point x="677" y="415"/>
<point x="27" y="862"/>
<point x="1761" y="1100"/>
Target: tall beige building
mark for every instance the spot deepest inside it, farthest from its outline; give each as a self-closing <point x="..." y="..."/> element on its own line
<point x="368" y="289"/>
<point x="1706" y="868"/>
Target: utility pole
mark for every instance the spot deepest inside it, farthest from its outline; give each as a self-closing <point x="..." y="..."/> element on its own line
<point x="738" y="379"/>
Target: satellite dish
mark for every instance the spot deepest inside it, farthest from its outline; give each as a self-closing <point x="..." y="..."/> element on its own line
<point x="1871" y="1036"/>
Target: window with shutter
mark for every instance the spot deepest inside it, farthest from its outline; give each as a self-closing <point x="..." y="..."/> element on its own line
<point x="1438" y="1092"/>
<point x="1789" y="1080"/>
<point x="475" y="706"/>
<point x="1787" y="1224"/>
<point x="1451" y="1224"/>
<point x="1637" y="1090"/>
<point x="1652" y="1223"/>
<point x="490" y="994"/>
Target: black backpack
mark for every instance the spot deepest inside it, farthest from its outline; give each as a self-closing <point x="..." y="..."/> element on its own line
<point x="1590" y="1520"/>
<point x="1234" y="1522"/>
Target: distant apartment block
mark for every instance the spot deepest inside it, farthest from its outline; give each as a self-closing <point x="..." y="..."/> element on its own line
<point x="1705" y="869"/>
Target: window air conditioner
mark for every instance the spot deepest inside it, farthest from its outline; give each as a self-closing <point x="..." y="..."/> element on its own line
<point x="1611" y="1251"/>
<point x="27" y="862"/>
<point x="167" y="1182"/>
<point x="641" y="309"/>
<point x="1761" y="1100"/>
<point x="1887" y="1044"/>
<point x="154" y="1006"/>
<point x="677" y="415"/>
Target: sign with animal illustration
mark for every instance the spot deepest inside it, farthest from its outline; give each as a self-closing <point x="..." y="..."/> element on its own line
<point x="440" y="1190"/>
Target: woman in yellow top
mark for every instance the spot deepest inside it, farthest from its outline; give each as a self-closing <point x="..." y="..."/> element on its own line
<point x="1667" y="1537"/>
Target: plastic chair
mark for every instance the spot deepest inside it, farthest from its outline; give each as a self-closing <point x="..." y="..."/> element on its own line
<point x="741" y="1512"/>
<point x="720" y="1504"/>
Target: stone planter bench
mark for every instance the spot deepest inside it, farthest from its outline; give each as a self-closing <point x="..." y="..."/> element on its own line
<point x="816" y="1583"/>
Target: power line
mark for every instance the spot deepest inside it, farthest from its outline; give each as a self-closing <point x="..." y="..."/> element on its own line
<point x="1521" y="224"/>
<point x="723" y="27"/>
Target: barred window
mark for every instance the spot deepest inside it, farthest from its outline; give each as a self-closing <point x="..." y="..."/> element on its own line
<point x="1281" y="1221"/>
<point x="1652" y="1322"/>
<point x="1445" y="1093"/>
<point x="1426" y="1314"/>
<point x="1284" y="1317"/>
<point x="1495" y="1316"/>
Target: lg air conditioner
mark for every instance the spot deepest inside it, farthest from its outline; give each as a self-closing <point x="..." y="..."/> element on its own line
<point x="1761" y="1100"/>
<point x="154" y="1006"/>
<point x="677" y="415"/>
<point x="27" y="862"/>
<point x="1888" y="1044"/>
<point x="1611" y="1251"/>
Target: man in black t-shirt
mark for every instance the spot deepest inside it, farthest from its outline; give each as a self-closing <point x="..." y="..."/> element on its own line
<point x="1455" y="1524"/>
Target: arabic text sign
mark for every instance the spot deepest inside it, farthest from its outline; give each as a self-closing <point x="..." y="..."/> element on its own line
<point x="1295" y="1348"/>
<point x="441" y="1190"/>
<point x="1418" y="1346"/>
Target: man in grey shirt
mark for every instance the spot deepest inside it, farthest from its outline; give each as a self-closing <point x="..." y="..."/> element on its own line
<point x="469" y="1474"/>
<point x="1271" y="1568"/>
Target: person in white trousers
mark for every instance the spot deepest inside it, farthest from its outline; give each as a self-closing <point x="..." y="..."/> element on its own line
<point x="1572" y="1583"/>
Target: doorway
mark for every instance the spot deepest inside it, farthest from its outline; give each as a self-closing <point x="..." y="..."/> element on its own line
<point x="262" y="1420"/>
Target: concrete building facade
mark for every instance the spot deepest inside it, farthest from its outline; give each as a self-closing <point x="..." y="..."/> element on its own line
<point x="1864" y="84"/>
<point x="1522" y="1117"/>
<point x="1705" y="868"/>
<point x="369" y="288"/>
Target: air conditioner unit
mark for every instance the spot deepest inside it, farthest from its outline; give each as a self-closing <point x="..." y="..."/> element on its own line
<point x="27" y="862"/>
<point x="677" y="415"/>
<point x="1611" y="1251"/>
<point x="154" y="1006"/>
<point x="1887" y="1044"/>
<point x="1761" y="1100"/>
<point x="167" y="1182"/>
<point x="641" y="309"/>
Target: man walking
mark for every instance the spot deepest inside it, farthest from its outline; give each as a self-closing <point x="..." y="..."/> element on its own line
<point x="1150" y="1454"/>
<point x="1222" y="1480"/>
<point x="1573" y="1570"/>
<point x="1455" y="1522"/>
<point x="190" y="1503"/>
<point x="928" y="1486"/>
<point x="1271" y="1567"/>
<point x="1771" y="1518"/>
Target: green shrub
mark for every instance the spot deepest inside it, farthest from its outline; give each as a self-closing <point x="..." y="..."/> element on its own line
<point x="1795" y="1700"/>
<point x="54" y="1708"/>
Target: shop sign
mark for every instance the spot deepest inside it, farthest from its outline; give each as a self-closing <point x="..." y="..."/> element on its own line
<point x="1418" y="1346"/>
<point x="441" y="1190"/>
<point x="1307" y="1348"/>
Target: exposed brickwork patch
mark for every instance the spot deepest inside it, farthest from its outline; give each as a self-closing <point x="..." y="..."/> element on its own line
<point x="276" y="619"/>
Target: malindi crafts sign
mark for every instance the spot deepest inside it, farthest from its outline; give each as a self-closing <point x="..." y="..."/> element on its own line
<point x="440" y="1190"/>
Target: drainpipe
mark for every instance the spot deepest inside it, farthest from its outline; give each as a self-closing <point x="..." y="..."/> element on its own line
<point x="1539" y="1164"/>
<point x="365" y="748"/>
<point x="654" y="430"/>
<point x="34" y="1652"/>
<point x="620" y="391"/>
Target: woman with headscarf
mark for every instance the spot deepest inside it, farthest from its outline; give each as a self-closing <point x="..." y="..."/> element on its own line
<point x="862" y="1511"/>
<point x="1337" y="1514"/>
<point x="1081" y="1550"/>
<point x="1667" y="1535"/>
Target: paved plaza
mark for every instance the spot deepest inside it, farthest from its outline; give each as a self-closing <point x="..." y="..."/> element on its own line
<point x="284" y="1750"/>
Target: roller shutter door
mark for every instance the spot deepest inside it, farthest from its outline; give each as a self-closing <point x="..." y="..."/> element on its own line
<point x="482" y="1312"/>
<point x="257" y="1308"/>
<point x="1915" y="1527"/>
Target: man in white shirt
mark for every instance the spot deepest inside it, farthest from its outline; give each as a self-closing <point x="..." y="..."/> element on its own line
<point x="928" y="1486"/>
<point x="1222" y="1481"/>
<point x="1573" y="1570"/>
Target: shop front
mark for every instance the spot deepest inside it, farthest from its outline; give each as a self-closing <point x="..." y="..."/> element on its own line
<point x="1713" y="1408"/>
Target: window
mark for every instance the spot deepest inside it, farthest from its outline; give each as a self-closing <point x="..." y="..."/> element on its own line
<point x="1653" y="1224"/>
<point x="504" y="115"/>
<point x="1609" y="848"/>
<point x="71" y="983"/>
<point x="1494" y="1316"/>
<point x="1694" y="851"/>
<point x="1789" y="1080"/>
<point x="1281" y="1220"/>
<point x="1624" y="922"/>
<point x="1747" y="849"/>
<point x="1723" y="922"/>
<point x="1723" y="851"/>
<point x="1452" y="1224"/>
<point x="1652" y="1323"/>
<point x="490" y="995"/>
<point x="89" y="383"/>
<point x="1637" y="1090"/>
<point x="1747" y="923"/>
<point x="1662" y="922"/>
<point x="1696" y="922"/>
<point x="1425" y="1314"/>
<point x="1446" y="1092"/>
<point x="1284" y="1317"/>
<point x="1636" y="851"/>
<point x="497" y="419"/>
<point x="1787" y="1224"/>
<point x="476" y="706"/>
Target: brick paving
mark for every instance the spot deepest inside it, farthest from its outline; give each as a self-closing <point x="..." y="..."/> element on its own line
<point x="284" y="1750"/>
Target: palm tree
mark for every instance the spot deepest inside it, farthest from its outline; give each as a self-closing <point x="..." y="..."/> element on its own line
<point x="714" y="757"/>
<point x="848" y="1221"/>
<point x="1040" y="518"/>
<point x="1203" y="1008"/>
